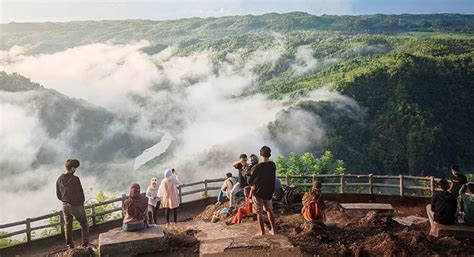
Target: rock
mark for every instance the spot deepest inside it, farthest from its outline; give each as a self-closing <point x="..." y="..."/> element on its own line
<point x="256" y="246"/>
<point x="410" y="220"/>
<point x="120" y="243"/>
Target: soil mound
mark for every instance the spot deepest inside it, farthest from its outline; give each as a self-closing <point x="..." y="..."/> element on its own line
<point x="372" y="234"/>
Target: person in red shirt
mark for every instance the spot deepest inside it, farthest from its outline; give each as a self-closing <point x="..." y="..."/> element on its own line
<point x="245" y="210"/>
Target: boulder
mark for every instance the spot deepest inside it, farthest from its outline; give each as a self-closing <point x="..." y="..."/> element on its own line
<point x="120" y="243"/>
<point x="456" y="230"/>
<point x="256" y="246"/>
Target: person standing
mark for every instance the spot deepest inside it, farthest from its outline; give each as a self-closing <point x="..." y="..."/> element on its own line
<point x="69" y="191"/>
<point x="457" y="180"/>
<point x="240" y="165"/>
<point x="153" y="201"/>
<point x="168" y="193"/>
<point x="263" y="177"/>
<point x="135" y="210"/>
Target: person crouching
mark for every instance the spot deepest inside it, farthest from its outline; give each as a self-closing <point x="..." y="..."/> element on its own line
<point x="313" y="206"/>
<point x="135" y="210"/>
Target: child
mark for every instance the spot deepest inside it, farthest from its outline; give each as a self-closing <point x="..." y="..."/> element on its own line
<point x="135" y="210"/>
<point x="153" y="201"/>
<point x="244" y="211"/>
<point x="168" y="193"/>
<point x="313" y="207"/>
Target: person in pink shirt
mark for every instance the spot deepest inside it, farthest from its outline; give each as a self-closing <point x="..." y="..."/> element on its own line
<point x="168" y="193"/>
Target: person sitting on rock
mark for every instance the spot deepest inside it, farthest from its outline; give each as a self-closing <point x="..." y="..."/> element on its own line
<point x="168" y="193"/>
<point x="313" y="206"/>
<point x="245" y="210"/>
<point x="226" y="188"/>
<point x="153" y="201"/>
<point x="468" y="203"/>
<point x="444" y="205"/>
<point x="135" y="210"/>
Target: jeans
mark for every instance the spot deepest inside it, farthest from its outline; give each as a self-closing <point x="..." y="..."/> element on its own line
<point x="133" y="227"/>
<point x="221" y="195"/>
<point x="233" y="194"/>
<point x="153" y="213"/>
<point x="78" y="212"/>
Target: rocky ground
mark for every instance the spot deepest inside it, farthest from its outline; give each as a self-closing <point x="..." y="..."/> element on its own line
<point x="344" y="233"/>
<point x="363" y="233"/>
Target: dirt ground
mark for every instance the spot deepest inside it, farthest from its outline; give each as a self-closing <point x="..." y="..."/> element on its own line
<point x="371" y="233"/>
<point x="344" y="233"/>
<point x="362" y="233"/>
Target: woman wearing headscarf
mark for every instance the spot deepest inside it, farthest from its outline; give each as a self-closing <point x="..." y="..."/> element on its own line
<point x="168" y="193"/>
<point x="313" y="206"/>
<point x="135" y="210"/>
<point x="153" y="201"/>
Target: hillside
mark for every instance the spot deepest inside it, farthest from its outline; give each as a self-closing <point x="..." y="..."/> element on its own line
<point x="51" y="37"/>
<point x="61" y="127"/>
<point x="406" y="80"/>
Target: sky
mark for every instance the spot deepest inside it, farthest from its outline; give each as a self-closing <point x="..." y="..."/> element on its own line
<point x="76" y="10"/>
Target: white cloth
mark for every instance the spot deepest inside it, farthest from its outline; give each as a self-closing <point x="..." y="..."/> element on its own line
<point x="168" y="191"/>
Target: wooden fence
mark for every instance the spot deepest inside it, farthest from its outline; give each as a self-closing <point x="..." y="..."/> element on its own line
<point x="339" y="183"/>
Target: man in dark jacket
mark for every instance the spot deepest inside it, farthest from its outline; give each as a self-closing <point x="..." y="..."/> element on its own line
<point x="69" y="191"/>
<point x="263" y="177"/>
<point x="444" y="205"/>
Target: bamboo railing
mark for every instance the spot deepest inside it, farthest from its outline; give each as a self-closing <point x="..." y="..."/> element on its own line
<point x="341" y="183"/>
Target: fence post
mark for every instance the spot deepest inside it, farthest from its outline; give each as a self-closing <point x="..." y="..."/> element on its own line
<point x="286" y="180"/>
<point x="124" y="196"/>
<point x="342" y="183"/>
<point x="371" y="188"/>
<point x="205" y="187"/>
<point x="432" y="185"/>
<point x="93" y="215"/>
<point x="180" y="194"/>
<point x="313" y="178"/>
<point x="401" y="185"/>
<point x="28" y="230"/>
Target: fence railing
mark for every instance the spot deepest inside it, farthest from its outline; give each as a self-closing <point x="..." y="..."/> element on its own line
<point x="341" y="183"/>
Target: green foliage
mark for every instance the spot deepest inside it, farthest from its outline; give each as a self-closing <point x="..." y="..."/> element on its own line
<point x="307" y="164"/>
<point x="4" y="242"/>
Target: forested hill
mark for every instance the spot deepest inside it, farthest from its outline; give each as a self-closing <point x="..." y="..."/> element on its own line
<point x="410" y="75"/>
<point x="51" y="37"/>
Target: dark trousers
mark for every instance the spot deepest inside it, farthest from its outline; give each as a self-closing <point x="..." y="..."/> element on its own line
<point x="79" y="213"/>
<point x="153" y="213"/>
<point x="175" y="214"/>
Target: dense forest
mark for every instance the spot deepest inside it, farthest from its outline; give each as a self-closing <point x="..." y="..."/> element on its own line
<point x="410" y="75"/>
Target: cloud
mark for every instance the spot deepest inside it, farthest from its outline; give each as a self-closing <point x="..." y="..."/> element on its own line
<point x="199" y="101"/>
<point x="306" y="63"/>
<point x="21" y="135"/>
